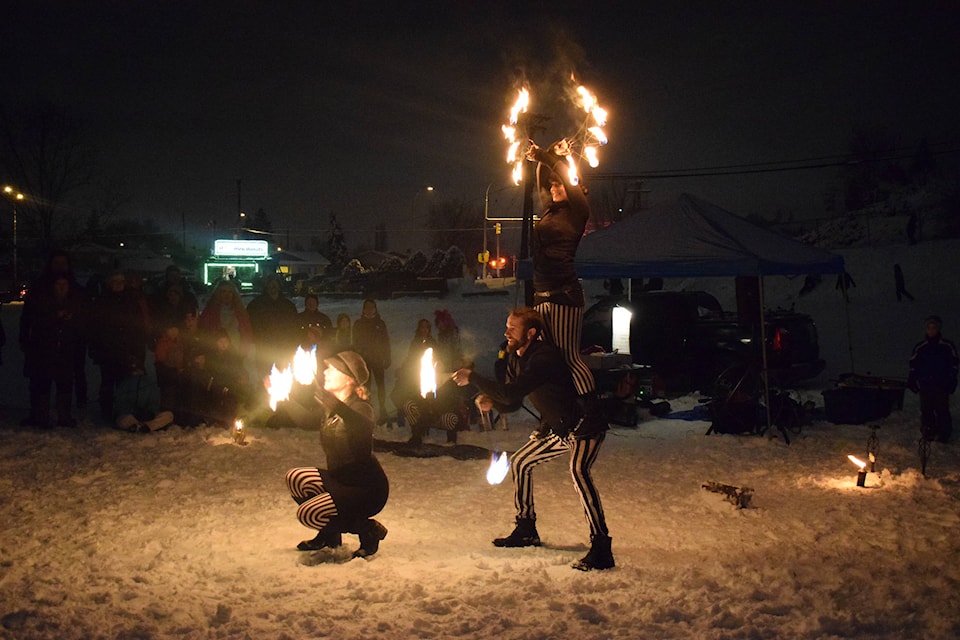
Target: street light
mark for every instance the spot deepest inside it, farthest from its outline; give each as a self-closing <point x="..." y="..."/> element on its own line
<point x="413" y="205"/>
<point x="15" y="196"/>
<point x="486" y="216"/>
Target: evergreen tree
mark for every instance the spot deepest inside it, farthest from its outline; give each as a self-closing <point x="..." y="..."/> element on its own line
<point x="336" y="251"/>
<point x="260" y="222"/>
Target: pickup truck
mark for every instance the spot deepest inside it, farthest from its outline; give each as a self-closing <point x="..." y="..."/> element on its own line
<point x="688" y="340"/>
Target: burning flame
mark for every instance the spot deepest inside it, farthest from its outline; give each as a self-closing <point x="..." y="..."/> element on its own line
<point x="572" y="171"/>
<point x="857" y="461"/>
<point x="590" y="153"/>
<point x="499" y="466"/>
<point x="587" y="100"/>
<point x="279" y="385"/>
<point x="428" y="374"/>
<point x="520" y="106"/>
<point x="517" y="173"/>
<point x="238" y="434"/>
<point x="599" y="135"/>
<point x="600" y="116"/>
<point x="594" y="135"/>
<point x="305" y="365"/>
<point x="510" y="135"/>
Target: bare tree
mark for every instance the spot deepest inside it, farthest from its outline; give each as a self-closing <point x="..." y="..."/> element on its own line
<point x="42" y="154"/>
<point x="456" y="222"/>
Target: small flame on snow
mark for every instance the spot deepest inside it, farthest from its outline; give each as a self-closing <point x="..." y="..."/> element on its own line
<point x="857" y="461"/>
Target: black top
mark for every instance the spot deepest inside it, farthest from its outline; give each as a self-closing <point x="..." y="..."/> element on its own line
<point x="542" y="374"/>
<point x="557" y="235"/>
<point x="353" y="475"/>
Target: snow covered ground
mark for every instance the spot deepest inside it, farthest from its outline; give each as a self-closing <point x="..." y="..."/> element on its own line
<point x="186" y="534"/>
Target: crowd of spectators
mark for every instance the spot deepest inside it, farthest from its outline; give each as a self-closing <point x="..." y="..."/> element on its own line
<point x="209" y="360"/>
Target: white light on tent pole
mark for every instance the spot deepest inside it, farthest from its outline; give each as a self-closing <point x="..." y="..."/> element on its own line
<point x="621" y="329"/>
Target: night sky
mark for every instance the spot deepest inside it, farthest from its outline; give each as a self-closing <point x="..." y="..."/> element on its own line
<point x="354" y="110"/>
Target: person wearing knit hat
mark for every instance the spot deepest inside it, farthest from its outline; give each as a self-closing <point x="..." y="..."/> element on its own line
<point x="344" y="496"/>
<point x="933" y="376"/>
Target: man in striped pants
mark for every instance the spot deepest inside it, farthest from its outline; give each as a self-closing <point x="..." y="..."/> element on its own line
<point x="536" y="368"/>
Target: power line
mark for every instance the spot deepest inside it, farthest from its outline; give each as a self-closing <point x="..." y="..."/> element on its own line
<point x="768" y="167"/>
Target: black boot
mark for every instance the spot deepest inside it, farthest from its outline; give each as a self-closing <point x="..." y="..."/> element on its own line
<point x="327" y="538"/>
<point x="371" y="533"/>
<point x="524" y="535"/>
<point x="599" y="557"/>
<point x="417" y="433"/>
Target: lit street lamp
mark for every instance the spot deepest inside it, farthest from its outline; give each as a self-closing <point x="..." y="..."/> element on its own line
<point x="15" y="196"/>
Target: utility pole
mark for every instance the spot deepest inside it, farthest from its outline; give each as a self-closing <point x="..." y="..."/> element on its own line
<point x="532" y="123"/>
<point x="236" y="236"/>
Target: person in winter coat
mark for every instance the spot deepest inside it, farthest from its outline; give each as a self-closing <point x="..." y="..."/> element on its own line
<point x="344" y="496"/>
<point x="118" y="337"/>
<point x="172" y="278"/>
<point x="447" y="412"/>
<point x="933" y="375"/>
<point x="558" y="295"/>
<point x="449" y="354"/>
<point x="59" y="264"/>
<point x="273" y="318"/>
<point x="136" y="404"/>
<point x="49" y="342"/>
<point x="315" y="326"/>
<point x="225" y="382"/>
<point x="225" y="311"/>
<point x="343" y="340"/>
<point x="372" y="342"/>
<point x="535" y="368"/>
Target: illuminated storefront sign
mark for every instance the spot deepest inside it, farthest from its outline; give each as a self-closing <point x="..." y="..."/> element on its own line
<point x="240" y="248"/>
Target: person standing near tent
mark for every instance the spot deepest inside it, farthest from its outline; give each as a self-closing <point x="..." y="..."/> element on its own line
<point x="558" y="294"/>
<point x="933" y="375"/>
<point x="901" y="287"/>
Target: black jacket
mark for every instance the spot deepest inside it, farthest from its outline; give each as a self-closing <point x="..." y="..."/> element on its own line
<point x="372" y="341"/>
<point x="933" y="366"/>
<point x="542" y="374"/>
<point x="556" y="238"/>
<point x="353" y="475"/>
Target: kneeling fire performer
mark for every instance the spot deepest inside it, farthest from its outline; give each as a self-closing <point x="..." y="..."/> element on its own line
<point x="536" y="368"/>
<point x="343" y="497"/>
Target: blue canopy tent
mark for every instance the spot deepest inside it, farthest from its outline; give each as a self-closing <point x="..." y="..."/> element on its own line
<point x="692" y="237"/>
<point x="689" y="236"/>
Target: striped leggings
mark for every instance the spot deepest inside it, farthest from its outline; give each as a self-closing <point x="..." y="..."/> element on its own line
<point x="316" y="505"/>
<point x="583" y="453"/>
<point x="563" y="326"/>
<point x="411" y="411"/>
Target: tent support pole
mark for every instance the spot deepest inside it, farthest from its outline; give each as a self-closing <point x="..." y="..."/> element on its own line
<point x="763" y="353"/>
<point x="846" y="309"/>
